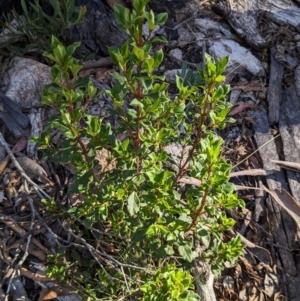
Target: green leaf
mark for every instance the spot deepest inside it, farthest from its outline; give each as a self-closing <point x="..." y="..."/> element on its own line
<point x="169" y="250"/>
<point x="220" y="79"/>
<point x="140" y="5"/>
<point x="186" y="252"/>
<point x="158" y="39"/>
<point x="81" y="82"/>
<point x="116" y="56"/>
<point x="179" y="82"/>
<point x="94" y="125"/>
<point x="121" y="79"/>
<point x="121" y="13"/>
<point x="151" y="20"/>
<point x="222" y="64"/>
<point x="139" y="53"/>
<point x="124" y="49"/>
<point x="51" y="57"/>
<point x="137" y="103"/>
<point x="158" y="58"/>
<point x="72" y="210"/>
<point x="24" y="7"/>
<point x="66" y="118"/>
<point x="71" y="49"/>
<point x="60" y="52"/>
<point x="133" y="204"/>
<point x="92" y="90"/>
<point x="161" y="18"/>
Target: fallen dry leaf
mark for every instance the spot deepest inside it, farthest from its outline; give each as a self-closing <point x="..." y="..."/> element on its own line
<point x="47" y="294"/>
<point x="54" y="292"/>
<point x="87" y="72"/>
<point x="286" y="201"/>
<point x="105" y="160"/>
<point x="102" y="73"/>
<point x="260" y="253"/>
<point x="20" y="145"/>
<point x="269" y="285"/>
<point x="33" y="169"/>
<point x="228" y="282"/>
<point x="231" y="295"/>
<point x="240" y="107"/>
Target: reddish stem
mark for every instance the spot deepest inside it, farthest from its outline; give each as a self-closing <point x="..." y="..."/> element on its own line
<point x="182" y="168"/>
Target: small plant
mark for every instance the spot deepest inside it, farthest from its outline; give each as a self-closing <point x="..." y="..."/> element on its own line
<point x="33" y="30"/>
<point x="141" y="201"/>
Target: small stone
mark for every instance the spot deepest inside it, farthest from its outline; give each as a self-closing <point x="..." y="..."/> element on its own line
<point x="241" y="58"/>
<point x="146" y="30"/>
<point x="199" y="38"/>
<point x="175" y="55"/>
<point x="25" y="81"/>
<point x="171" y="75"/>
<point x="185" y="37"/>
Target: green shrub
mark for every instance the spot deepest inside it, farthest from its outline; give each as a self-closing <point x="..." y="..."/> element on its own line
<point x="33" y="30"/>
<point x="138" y="201"/>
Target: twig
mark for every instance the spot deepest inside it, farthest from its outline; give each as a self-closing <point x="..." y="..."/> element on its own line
<point x="181" y="61"/>
<point x="15" y="271"/>
<point x="256" y="150"/>
<point x="91" y="248"/>
<point x="287" y="165"/>
<point x="124" y="276"/>
<point x="278" y="246"/>
<point x="249" y="172"/>
<point x="30" y="201"/>
<point x="183" y="22"/>
<point x="103" y="62"/>
<point x="56" y="177"/>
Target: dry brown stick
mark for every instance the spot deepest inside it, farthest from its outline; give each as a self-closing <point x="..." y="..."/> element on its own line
<point x="190" y="181"/>
<point x="35" y="276"/>
<point x="196" y="182"/>
<point x="103" y="62"/>
<point x="287" y="165"/>
<point x="249" y="172"/>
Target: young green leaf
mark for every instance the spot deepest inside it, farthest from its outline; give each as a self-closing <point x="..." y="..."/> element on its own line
<point x="133" y="203"/>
